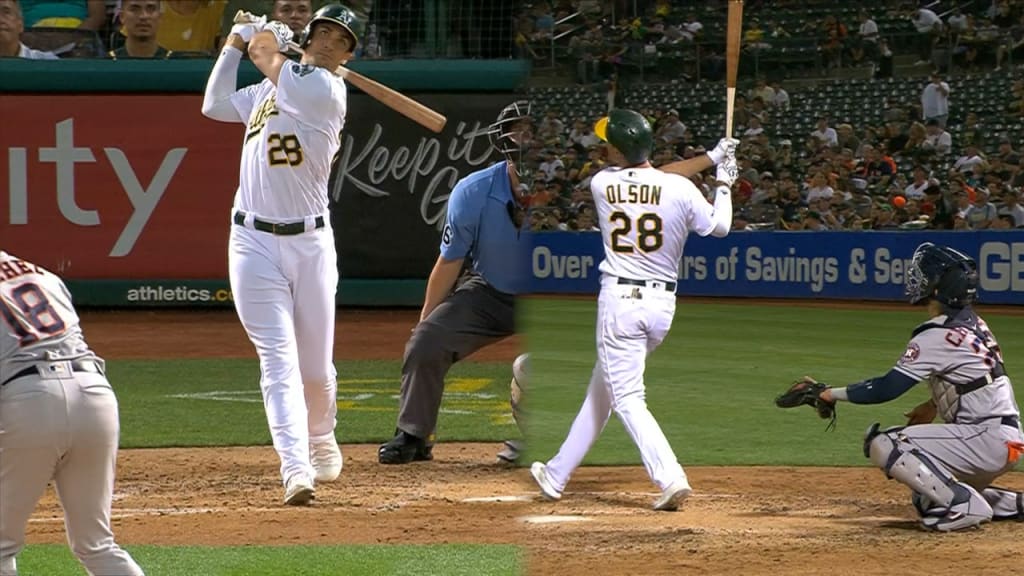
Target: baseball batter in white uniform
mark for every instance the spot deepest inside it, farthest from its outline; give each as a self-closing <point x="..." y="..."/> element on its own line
<point x="282" y="259"/>
<point x="58" y="421"/>
<point x="645" y="216"/>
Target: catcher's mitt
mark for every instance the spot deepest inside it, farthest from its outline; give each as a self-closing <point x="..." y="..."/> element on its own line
<point x="807" y="391"/>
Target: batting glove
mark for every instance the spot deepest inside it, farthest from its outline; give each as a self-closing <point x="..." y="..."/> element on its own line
<point x="727" y="172"/>
<point x="282" y="32"/>
<point x="725" y="147"/>
<point x="249" y="29"/>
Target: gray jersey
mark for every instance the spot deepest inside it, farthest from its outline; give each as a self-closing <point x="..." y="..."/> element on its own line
<point x="39" y="322"/>
<point x="952" y="353"/>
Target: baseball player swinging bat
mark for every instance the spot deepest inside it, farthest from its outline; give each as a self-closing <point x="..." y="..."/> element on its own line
<point x="411" y="109"/>
<point x="732" y="60"/>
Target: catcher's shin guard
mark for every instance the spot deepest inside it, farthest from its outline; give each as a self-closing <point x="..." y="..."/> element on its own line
<point x="946" y="504"/>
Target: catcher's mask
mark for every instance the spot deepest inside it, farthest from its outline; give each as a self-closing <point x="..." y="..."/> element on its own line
<point x="629" y="132"/>
<point x="335" y="14"/>
<point x="512" y="136"/>
<point x="942" y="273"/>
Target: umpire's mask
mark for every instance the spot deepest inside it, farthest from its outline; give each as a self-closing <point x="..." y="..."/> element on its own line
<point x="512" y="134"/>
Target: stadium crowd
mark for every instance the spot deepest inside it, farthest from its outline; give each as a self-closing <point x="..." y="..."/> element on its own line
<point x="905" y="172"/>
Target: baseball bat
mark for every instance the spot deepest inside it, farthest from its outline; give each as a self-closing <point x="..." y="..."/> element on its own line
<point x="732" y="59"/>
<point x="411" y="109"/>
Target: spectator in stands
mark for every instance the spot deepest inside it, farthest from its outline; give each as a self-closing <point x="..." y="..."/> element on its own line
<point x="672" y="129"/>
<point x="916" y="189"/>
<point x="970" y="131"/>
<point x="831" y="47"/>
<point x="82" y="14"/>
<point x="818" y="188"/>
<point x="1011" y="207"/>
<point x="781" y="98"/>
<point x="935" y="100"/>
<point x="868" y="34"/>
<point x="929" y="28"/>
<point x="191" y="25"/>
<point x="295" y="13"/>
<point x="1007" y="155"/>
<point x="551" y="122"/>
<point x="761" y="90"/>
<point x="884" y="69"/>
<point x="11" y="27"/>
<point x="957" y="22"/>
<point x="846" y="137"/>
<point x="938" y="140"/>
<point x="691" y="29"/>
<point x="825" y="134"/>
<point x="1012" y="43"/>
<point x="754" y="37"/>
<point x="141" y="20"/>
<point x="981" y="213"/>
<point x="812" y="221"/>
<point x="784" y="156"/>
<point x="971" y="161"/>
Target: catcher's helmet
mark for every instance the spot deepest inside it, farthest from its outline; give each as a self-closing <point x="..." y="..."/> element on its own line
<point x="942" y="273"/>
<point x="512" y="136"/>
<point x="335" y="13"/>
<point x="629" y="132"/>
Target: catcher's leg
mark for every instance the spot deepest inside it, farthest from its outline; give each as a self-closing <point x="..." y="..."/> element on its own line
<point x="946" y="503"/>
<point x="1006" y="504"/>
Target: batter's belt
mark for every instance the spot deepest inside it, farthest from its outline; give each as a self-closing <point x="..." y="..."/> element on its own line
<point x="278" y="228"/>
<point x="37" y="370"/>
<point x="668" y="286"/>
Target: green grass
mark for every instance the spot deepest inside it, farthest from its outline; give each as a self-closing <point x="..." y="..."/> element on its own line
<point x="379" y="560"/>
<point x="712" y="383"/>
<point x="218" y="403"/>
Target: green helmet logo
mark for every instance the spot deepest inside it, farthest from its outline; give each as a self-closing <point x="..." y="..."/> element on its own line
<point x="629" y="132"/>
<point x="337" y="14"/>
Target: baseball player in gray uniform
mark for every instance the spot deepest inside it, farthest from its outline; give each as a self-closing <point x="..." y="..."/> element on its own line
<point x="58" y="421"/>
<point x="949" y="467"/>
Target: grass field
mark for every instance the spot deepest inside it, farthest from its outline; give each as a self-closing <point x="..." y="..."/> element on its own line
<point x="712" y="383"/>
<point x="454" y="560"/>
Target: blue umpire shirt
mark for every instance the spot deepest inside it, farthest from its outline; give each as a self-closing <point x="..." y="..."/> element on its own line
<point x="479" y="227"/>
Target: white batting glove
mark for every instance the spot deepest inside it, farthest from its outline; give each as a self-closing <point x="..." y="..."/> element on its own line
<point x="727" y="172"/>
<point x="725" y="147"/>
<point x="282" y="32"/>
<point x="249" y="29"/>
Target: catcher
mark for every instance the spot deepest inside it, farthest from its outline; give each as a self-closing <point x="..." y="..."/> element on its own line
<point x="949" y="467"/>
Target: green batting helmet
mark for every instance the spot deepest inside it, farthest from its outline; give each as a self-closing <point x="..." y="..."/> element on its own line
<point x="629" y="132"/>
<point x="335" y="13"/>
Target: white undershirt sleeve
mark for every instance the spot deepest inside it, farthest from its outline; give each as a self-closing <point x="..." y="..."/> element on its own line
<point x="217" y="103"/>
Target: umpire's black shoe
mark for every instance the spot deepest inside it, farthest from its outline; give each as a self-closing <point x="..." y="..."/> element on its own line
<point x="405" y="448"/>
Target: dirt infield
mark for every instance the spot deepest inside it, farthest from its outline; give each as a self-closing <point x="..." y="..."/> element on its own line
<point x="761" y="520"/>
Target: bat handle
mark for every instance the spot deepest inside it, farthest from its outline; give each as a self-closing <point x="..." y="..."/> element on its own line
<point x="730" y="102"/>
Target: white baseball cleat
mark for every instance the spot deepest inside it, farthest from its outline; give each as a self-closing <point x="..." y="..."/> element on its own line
<point x="540" y="475"/>
<point x="673" y="495"/>
<point x="298" y="491"/>
<point x="325" y="456"/>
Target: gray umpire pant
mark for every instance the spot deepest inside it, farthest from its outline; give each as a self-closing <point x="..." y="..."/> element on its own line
<point x="472" y="317"/>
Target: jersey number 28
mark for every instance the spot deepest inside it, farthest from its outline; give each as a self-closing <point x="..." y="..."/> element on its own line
<point x="648" y="232"/>
<point x="42" y="319"/>
<point x="284" y="150"/>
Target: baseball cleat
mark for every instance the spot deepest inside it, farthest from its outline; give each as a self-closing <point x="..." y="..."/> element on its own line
<point x="326" y="459"/>
<point x="299" y="490"/>
<point x="540" y="475"/>
<point x="404" y="448"/>
<point x="510" y="451"/>
<point x="673" y="495"/>
<point x="969" y="509"/>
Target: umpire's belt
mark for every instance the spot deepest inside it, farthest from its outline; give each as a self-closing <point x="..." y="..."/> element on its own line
<point x="667" y="286"/>
<point x="76" y="366"/>
<point x="277" y="228"/>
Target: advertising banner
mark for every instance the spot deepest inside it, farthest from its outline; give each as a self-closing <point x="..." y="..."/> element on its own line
<point x="848" y="265"/>
<point x="132" y="187"/>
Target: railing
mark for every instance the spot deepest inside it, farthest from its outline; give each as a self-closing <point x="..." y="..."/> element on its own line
<point x="555" y="37"/>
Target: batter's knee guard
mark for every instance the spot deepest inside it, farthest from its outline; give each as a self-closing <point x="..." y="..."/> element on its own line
<point x="1006" y="504"/>
<point x="944" y="503"/>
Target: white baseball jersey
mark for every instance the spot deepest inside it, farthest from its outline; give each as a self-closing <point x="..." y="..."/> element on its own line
<point x="645" y="216"/>
<point x="39" y="320"/>
<point x="956" y="353"/>
<point x="292" y="135"/>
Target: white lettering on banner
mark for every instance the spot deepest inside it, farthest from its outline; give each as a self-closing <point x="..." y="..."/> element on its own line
<point x="546" y="264"/>
<point x="857" y="272"/>
<point x="1001" y="266"/>
<point x="695" y="265"/>
<point x="889" y="270"/>
<point x="816" y="271"/>
<point x="401" y="164"/>
<point x="64" y="154"/>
